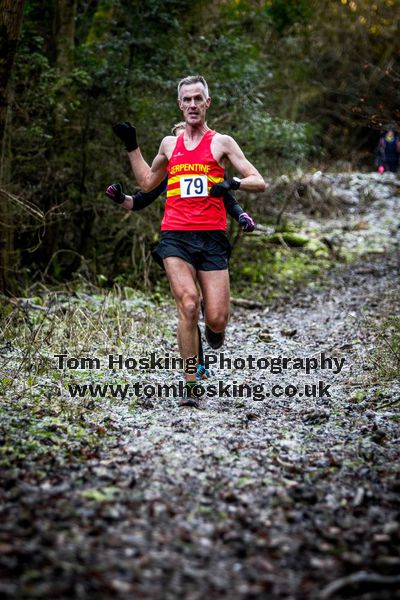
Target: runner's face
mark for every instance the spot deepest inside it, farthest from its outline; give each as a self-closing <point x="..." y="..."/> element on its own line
<point x="193" y="103"/>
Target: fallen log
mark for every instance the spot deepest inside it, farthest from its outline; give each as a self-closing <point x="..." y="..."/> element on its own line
<point x="247" y="303"/>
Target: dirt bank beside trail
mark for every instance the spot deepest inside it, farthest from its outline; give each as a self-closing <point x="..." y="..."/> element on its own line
<point x="294" y="495"/>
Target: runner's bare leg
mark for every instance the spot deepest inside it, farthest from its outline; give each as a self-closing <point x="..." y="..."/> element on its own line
<point x="182" y="280"/>
<point x="216" y="296"/>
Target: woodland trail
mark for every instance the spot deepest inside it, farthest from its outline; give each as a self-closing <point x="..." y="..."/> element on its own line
<point x="289" y="497"/>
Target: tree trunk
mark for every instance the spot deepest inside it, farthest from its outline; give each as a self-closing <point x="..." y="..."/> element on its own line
<point x="64" y="41"/>
<point x="64" y="38"/>
<point x="10" y="27"/>
<point x="11" y="12"/>
<point x="65" y="34"/>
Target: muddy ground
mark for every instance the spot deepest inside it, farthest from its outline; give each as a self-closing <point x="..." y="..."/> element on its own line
<point x="286" y="496"/>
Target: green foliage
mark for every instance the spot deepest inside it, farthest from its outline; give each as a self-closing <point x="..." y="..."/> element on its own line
<point x="274" y="139"/>
<point x="36" y="84"/>
<point x="270" y="270"/>
<point x="285" y="13"/>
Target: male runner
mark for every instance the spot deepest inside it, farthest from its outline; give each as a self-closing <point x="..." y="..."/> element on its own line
<point x="193" y="240"/>
<point x="141" y="200"/>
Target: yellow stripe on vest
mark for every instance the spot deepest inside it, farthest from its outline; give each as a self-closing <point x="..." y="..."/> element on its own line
<point x="175" y="179"/>
<point x="171" y="193"/>
<point x="215" y="179"/>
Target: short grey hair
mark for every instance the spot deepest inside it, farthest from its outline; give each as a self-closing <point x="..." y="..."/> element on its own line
<point x="190" y="81"/>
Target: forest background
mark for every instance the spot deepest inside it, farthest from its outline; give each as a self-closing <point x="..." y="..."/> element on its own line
<point x="300" y="84"/>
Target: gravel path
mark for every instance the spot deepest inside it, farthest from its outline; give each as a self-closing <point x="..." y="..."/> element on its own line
<point x="281" y="497"/>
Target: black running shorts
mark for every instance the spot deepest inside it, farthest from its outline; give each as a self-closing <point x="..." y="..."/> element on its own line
<point x="205" y="250"/>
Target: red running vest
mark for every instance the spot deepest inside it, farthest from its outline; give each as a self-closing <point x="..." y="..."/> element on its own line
<point x="191" y="175"/>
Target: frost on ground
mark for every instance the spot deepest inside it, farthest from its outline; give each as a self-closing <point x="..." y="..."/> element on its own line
<point x="287" y="496"/>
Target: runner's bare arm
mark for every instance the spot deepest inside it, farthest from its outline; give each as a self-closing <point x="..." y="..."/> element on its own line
<point x="251" y="181"/>
<point x="149" y="177"/>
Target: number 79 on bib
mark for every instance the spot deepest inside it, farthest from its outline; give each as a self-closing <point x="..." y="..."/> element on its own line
<point x="194" y="186"/>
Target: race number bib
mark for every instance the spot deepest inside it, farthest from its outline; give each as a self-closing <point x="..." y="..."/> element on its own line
<point x="194" y="186"/>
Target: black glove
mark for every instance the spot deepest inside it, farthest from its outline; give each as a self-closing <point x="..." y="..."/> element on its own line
<point x="115" y="192"/>
<point x="127" y="133"/>
<point x="246" y="223"/>
<point x="219" y="189"/>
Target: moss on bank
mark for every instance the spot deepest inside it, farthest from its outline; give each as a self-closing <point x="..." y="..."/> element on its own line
<point x="267" y="266"/>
